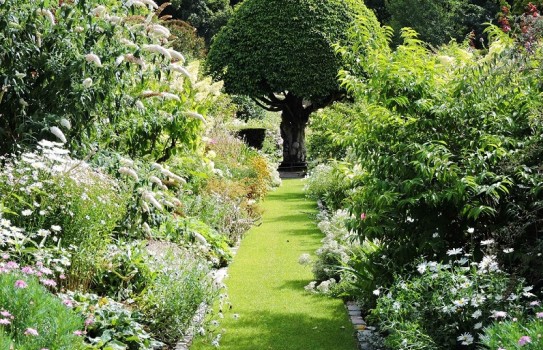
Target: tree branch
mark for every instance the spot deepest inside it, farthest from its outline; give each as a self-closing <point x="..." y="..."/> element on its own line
<point x="268" y="108"/>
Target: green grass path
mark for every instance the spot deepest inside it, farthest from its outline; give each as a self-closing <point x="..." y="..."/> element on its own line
<point x="266" y="285"/>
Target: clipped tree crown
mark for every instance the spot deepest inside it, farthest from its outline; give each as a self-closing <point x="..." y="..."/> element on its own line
<point x="277" y="46"/>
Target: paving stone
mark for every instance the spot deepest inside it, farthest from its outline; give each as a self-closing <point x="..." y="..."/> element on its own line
<point x="357" y="320"/>
<point x="354" y="313"/>
<point x="353" y="308"/>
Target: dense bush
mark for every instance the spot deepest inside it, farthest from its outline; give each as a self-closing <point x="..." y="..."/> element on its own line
<point x="328" y="184"/>
<point x="87" y="74"/>
<point x="442" y="149"/>
<point x="175" y="296"/>
<point x="447" y="141"/>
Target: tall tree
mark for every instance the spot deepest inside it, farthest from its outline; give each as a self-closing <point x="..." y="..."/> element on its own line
<point x="437" y="22"/>
<point x="279" y="52"/>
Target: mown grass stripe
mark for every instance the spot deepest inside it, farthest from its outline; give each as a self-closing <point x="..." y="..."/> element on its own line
<point x="266" y="285"/>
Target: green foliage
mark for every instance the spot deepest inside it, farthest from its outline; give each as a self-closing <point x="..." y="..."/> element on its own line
<point x="327" y="184"/>
<point x="247" y="108"/>
<point x="438" y="22"/>
<point x="36" y="318"/>
<point x="60" y="202"/>
<point x="323" y="141"/>
<point x="123" y="271"/>
<point x="522" y="333"/>
<point x="175" y="296"/>
<point x="277" y="46"/>
<point x="110" y="325"/>
<point x="83" y="73"/>
<point x="446" y="305"/>
<point x="435" y="141"/>
<point x="206" y="16"/>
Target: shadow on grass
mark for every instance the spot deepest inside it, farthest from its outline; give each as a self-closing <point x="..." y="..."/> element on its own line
<point x="296" y="285"/>
<point x="287" y="331"/>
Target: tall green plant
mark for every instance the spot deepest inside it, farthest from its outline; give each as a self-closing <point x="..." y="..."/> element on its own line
<point x="92" y="74"/>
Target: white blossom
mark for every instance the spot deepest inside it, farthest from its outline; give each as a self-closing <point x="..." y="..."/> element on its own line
<point x="177" y="55"/>
<point x="170" y="96"/>
<point x="87" y="83"/>
<point x="93" y="58"/>
<point x="99" y="11"/>
<point x="454" y="251"/>
<point x="65" y="123"/>
<point x="159" y="30"/>
<point x="181" y="70"/>
<point x="119" y="60"/>
<point x="136" y="3"/>
<point x="114" y="19"/>
<point x="465" y="339"/>
<point x="158" y="49"/>
<point x="487" y="242"/>
<point x="200" y="239"/>
<point x="149" y="197"/>
<point x="168" y="173"/>
<point x="47" y="14"/>
<point x="140" y="106"/>
<point x="129" y="172"/>
<point x="150" y="3"/>
<point x="421" y="268"/>
<point x="196" y="116"/>
<point x="128" y="43"/>
<point x="58" y="133"/>
<point x="304" y="259"/>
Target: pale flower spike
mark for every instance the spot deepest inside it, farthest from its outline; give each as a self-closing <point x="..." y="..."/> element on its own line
<point x="58" y="133"/>
<point x="181" y="70"/>
<point x="196" y="116"/>
<point x="87" y="83"/>
<point x="170" y="96"/>
<point x="92" y="58"/>
<point x="177" y="55"/>
<point x="158" y="49"/>
<point x="159" y="30"/>
<point x="47" y="14"/>
<point x="150" y="3"/>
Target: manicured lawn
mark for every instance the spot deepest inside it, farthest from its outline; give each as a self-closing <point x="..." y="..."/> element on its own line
<point x="266" y="285"/>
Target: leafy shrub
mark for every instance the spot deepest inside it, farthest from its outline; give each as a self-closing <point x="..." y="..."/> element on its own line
<point x="110" y="325"/>
<point x="60" y="203"/>
<point x="344" y="267"/>
<point x="90" y="75"/>
<point x="124" y="271"/>
<point x="447" y="305"/>
<point x="227" y="217"/>
<point x="324" y="139"/>
<point x="171" y="302"/>
<point x="328" y="184"/>
<point x="32" y="318"/>
<point x="430" y="158"/>
<point x="200" y="238"/>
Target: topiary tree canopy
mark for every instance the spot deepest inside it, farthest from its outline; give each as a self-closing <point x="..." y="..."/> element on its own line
<point x="279" y="52"/>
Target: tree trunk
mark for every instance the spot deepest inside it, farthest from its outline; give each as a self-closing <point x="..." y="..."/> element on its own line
<point x="294" y="118"/>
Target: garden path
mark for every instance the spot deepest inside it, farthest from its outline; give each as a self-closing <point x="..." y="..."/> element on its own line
<point x="270" y="308"/>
